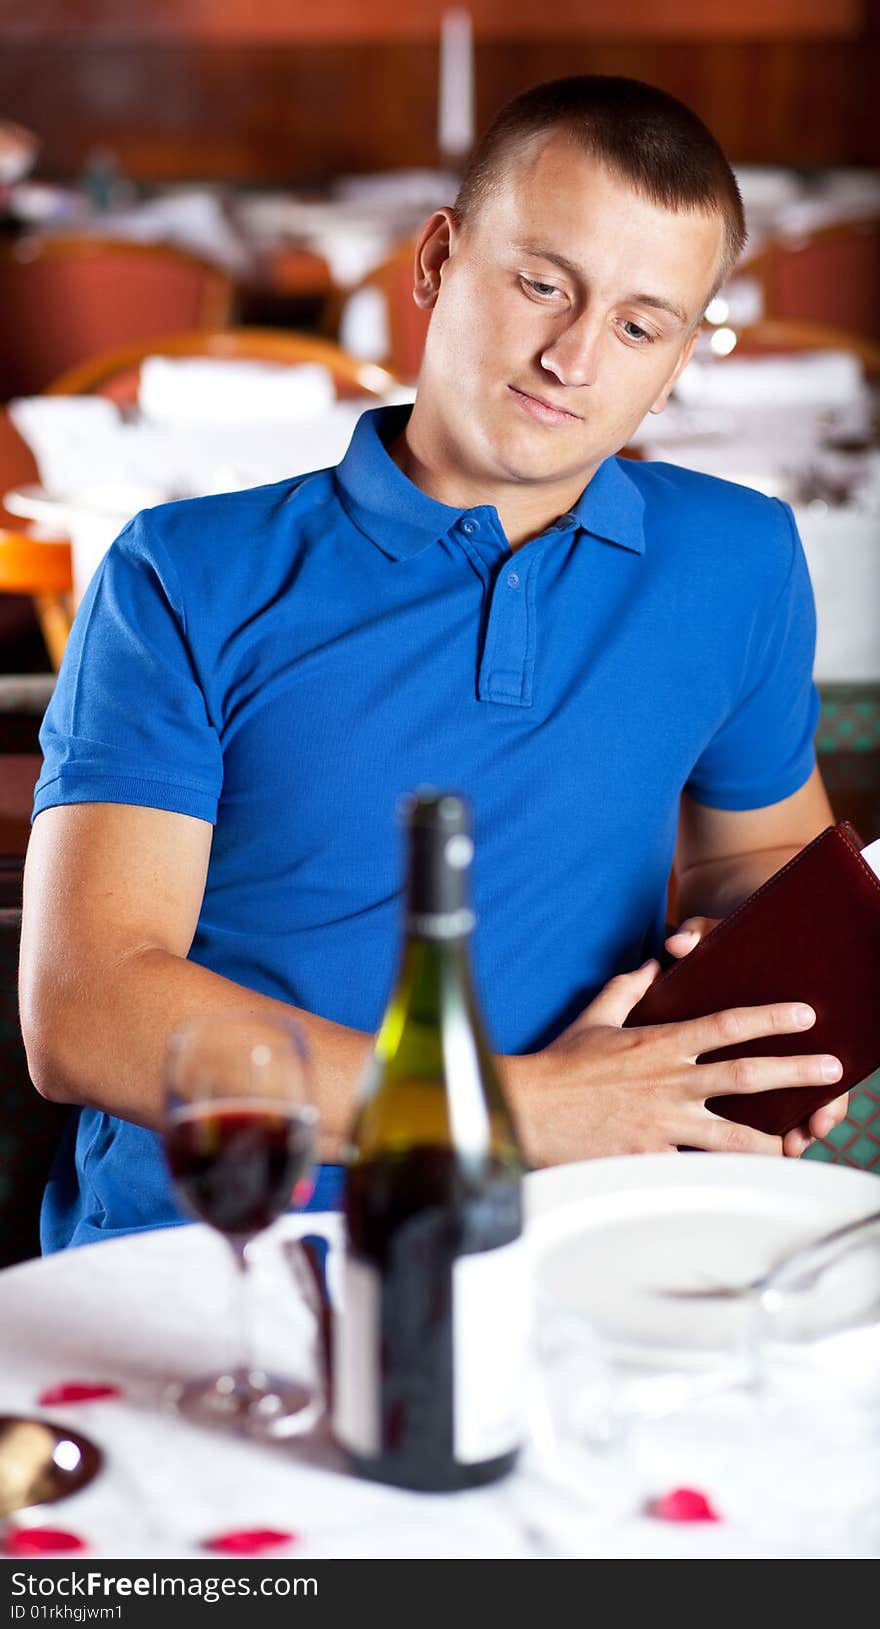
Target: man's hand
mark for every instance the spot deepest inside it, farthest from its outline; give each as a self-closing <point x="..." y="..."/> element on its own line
<point x="689" y="933"/>
<point x="600" y="1089"/>
<point x="680" y="943"/>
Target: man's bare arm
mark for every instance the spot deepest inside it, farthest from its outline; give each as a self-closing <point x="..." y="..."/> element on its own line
<point x="112" y="898"/>
<point x="723" y="855"/>
<point x="111" y="901"/>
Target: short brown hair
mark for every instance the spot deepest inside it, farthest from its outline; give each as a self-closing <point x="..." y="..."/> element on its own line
<point x="639" y="132"/>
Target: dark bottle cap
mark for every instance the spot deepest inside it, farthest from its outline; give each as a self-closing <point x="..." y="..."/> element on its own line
<point x="438" y="825"/>
<point x="438" y="811"/>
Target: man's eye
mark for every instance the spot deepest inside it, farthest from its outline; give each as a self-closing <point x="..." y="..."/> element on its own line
<point x="545" y="291"/>
<point x="633" y="331"/>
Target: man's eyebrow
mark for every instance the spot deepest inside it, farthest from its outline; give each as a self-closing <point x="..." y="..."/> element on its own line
<point x="656" y="301"/>
<point x="659" y="304"/>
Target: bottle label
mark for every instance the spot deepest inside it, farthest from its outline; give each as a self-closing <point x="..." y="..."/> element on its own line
<point x="356" y="1339"/>
<point x="490" y="1303"/>
<point x="490" y="1334"/>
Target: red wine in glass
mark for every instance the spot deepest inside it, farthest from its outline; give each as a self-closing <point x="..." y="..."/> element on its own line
<point x="240" y="1138"/>
<point x="238" y="1166"/>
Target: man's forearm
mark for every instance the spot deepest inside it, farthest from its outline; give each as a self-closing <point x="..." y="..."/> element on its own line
<point x="107" y="1051"/>
<point x="717" y="887"/>
<point x="102" y="1044"/>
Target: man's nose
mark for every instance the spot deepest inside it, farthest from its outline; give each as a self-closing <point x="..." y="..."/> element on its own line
<point x="573" y="356"/>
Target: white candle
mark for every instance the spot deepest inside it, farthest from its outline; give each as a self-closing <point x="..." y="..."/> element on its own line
<point x="455" y="123"/>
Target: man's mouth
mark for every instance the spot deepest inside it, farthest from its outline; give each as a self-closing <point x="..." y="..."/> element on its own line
<point x="539" y="408"/>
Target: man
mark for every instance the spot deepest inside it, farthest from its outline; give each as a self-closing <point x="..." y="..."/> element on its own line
<point x="612" y="659"/>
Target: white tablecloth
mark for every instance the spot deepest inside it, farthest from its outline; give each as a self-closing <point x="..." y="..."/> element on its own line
<point x="142" y="1311"/>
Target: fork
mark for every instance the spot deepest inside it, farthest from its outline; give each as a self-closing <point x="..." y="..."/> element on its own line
<point x="804" y="1277"/>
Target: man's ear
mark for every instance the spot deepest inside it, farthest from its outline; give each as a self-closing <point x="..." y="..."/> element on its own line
<point x="680" y="366"/>
<point x="433" y="247"/>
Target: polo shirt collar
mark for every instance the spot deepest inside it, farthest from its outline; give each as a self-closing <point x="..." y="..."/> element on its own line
<point x="402" y="520"/>
<point x="384" y="503"/>
<point x="612" y="507"/>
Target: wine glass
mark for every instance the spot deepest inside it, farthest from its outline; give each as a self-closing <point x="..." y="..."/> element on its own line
<point x="240" y="1135"/>
<point x="816" y="1333"/>
<point x="572" y="1480"/>
<point x="785" y="1434"/>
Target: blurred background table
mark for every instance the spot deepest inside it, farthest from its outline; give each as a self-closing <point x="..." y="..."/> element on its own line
<point x="285" y="159"/>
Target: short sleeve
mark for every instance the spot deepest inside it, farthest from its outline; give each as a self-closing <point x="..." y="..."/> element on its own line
<point x="129" y="720"/>
<point x="763" y="751"/>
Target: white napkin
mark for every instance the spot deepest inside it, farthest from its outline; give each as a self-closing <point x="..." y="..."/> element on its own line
<point x="98" y="469"/>
<point x="766" y="186"/>
<point x="192" y="218"/>
<point x="71" y="437"/>
<point x="415" y="189"/>
<point x="837" y="198"/>
<point x="212" y="390"/>
<point x="364" y="328"/>
<point x="352" y="249"/>
<point x="840" y="546"/>
<point x="91" y="458"/>
<point x="826" y="378"/>
<point x="86" y="451"/>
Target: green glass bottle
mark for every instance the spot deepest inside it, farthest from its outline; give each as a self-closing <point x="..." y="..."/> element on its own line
<point x="430" y="1345"/>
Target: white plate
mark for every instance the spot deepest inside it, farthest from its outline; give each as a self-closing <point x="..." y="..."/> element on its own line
<point x="607" y="1235"/>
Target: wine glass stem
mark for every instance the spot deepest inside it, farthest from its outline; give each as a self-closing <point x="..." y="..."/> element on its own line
<point x="243" y="1312"/>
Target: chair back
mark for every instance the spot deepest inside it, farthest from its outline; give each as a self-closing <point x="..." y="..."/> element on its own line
<point x="830" y="275"/>
<point x="17" y="466"/>
<point x="29" y="566"/>
<point x="116" y="373"/>
<point x="778" y="336"/>
<point x="403" y="324"/>
<point x="41" y="570"/>
<point x="63" y="299"/>
<point x="30" y="1127"/>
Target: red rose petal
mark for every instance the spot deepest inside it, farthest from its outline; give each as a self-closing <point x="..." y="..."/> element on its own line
<point x="76" y="1391"/>
<point x="683" y="1505"/>
<point x="40" y="1541"/>
<point x="249" y="1541"/>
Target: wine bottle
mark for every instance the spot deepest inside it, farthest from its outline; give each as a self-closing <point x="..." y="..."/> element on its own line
<point x="430" y="1344"/>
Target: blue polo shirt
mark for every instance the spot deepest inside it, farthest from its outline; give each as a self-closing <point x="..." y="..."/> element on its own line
<point x="287" y="662"/>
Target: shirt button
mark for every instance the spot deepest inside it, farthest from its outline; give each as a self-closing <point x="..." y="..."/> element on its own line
<point x="469" y="527"/>
<point x="513" y="579"/>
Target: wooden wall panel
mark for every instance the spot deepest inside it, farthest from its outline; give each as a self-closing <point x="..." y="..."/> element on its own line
<point x="300" y="114"/>
<point x="217" y="21"/>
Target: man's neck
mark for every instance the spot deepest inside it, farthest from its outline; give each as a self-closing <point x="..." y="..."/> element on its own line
<point x="525" y="510"/>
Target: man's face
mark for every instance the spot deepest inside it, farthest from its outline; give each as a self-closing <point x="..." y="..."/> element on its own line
<point x="565" y="310"/>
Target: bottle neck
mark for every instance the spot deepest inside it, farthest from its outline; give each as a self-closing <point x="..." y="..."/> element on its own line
<point x="433" y="1067"/>
<point x="430" y="965"/>
<point x="451" y="928"/>
<point x="438" y="918"/>
<point x="437" y="880"/>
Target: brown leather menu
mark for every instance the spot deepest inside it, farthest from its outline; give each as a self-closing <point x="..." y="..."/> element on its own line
<point x="810" y="933"/>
